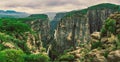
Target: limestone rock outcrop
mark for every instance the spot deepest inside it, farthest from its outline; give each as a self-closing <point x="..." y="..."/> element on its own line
<point x="107" y="48"/>
<point x="71" y="29"/>
<point x="114" y="56"/>
<point x="42" y="28"/>
<point x="97" y="18"/>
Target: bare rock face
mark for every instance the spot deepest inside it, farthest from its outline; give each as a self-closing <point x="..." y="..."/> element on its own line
<point x="76" y="29"/>
<point x="114" y="56"/>
<point x="42" y="28"/>
<point x="41" y="34"/>
<point x="34" y="45"/>
<point x="95" y="37"/>
<point x="97" y="17"/>
<point x="9" y="45"/>
<point x="71" y="29"/>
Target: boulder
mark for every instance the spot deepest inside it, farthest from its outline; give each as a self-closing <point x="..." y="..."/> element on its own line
<point x="114" y="56"/>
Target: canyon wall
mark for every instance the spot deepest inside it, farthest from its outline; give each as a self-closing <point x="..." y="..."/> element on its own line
<point x="42" y="37"/>
<point x="97" y="17"/>
<point x="71" y="31"/>
<point x="76" y="28"/>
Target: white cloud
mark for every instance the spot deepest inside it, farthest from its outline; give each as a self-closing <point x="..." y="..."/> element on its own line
<point x="41" y="6"/>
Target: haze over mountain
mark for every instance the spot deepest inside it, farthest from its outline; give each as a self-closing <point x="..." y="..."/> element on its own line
<point x="51" y="15"/>
<point x="12" y="13"/>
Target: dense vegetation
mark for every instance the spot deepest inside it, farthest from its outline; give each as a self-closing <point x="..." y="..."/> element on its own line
<point x="13" y="37"/>
<point x="109" y="26"/>
<point x="40" y="16"/>
<point x="13" y="55"/>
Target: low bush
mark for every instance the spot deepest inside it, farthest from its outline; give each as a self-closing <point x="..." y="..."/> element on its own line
<point x="110" y="25"/>
<point x="96" y="45"/>
<point x="11" y="55"/>
<point x="66" y="57"/>
<point x="37" y="58"/>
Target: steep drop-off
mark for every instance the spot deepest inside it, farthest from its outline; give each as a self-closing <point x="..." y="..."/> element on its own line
<point x="75" y="27"/>
<point x="29" y="37"/>
<point x="42" y="27"/>
<point x="71" y="31"/>
<point x="56" y="19"/>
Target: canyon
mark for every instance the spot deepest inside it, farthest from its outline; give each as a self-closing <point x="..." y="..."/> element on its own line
<point x="87" y="35"/>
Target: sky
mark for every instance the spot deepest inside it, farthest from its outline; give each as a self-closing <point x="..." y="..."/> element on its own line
<point x="44" y="6"/>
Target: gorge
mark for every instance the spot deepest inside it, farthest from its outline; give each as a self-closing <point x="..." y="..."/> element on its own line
<point x="88" y="35"/>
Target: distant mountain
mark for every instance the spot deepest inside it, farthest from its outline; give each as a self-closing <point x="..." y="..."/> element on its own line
<point x="12" y="14"/>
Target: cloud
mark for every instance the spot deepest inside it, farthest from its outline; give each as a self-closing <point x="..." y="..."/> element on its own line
<point x="61" y="2"/>
<point x="42" y="6"/>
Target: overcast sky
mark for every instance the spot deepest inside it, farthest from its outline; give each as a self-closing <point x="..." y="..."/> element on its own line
<point x="43" y="6"/>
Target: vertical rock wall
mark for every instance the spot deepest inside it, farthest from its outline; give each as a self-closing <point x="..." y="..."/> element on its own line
<point x="97" y="17"/>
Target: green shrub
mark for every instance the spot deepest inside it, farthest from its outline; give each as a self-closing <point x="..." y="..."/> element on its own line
<point x="37" y="58"/>
<point x="96" y="45"/>
<point x="43" y="49"/>
<point x="118" y="41"/>
<point x="110" y="25"/>
<point x="2" y="47"/>
<point x="11" y="55"/>
<point x="66" y="57"/>
<point x="103" y="31"/>
<point x="13" y="26"/>
<point x="38" y="16"/>
<point x="118" y="37"/>
<point x="106" y="54"/>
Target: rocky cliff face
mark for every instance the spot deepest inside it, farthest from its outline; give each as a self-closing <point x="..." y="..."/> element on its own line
<point x="71" y="31"/>
<point x="42" y="28"/>
<point x="107" y="49"/>
<point x="41" y="38"/>
<point x="56" y="19"/>
<point x="76" y="27"/>
<point x="104" y="46"/>
<point x="97" y="17"/>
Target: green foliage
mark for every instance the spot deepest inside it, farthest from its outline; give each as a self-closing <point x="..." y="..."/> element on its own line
<point x="106" y="54"/>
<point x="18" y="43"/>
<point x="13" y="26"/>
<point x="67" y="57"/>
<point x="110" y="25"/>
<point x="11" y="55"/>
<point x="37" y="58"/>
<point x="118" y="37"/>
<point x="104" y="6"/>
<point x="99" y="6"/>
<point x="78" y="12"/>
<point x="39" y="16"/>
<point x="43" y="49"/>
<point x="96" y="45"/>
<point x="103" y="31"/>
<point x="2" y="47"/>
<point x="118" y="41"/>
<point x="4" y="37"/>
